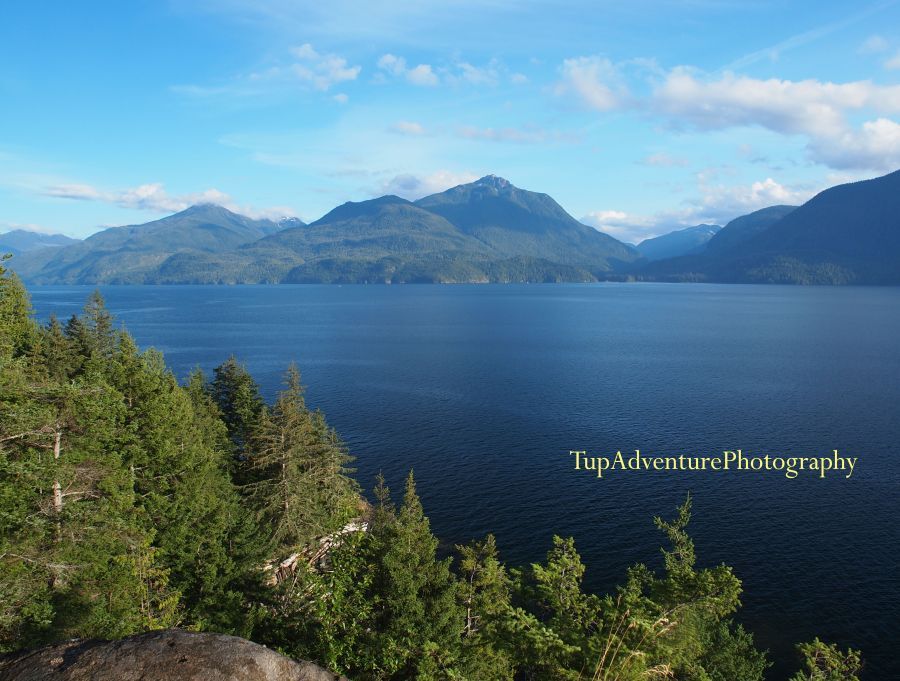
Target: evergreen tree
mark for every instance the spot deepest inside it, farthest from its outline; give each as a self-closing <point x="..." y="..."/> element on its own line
<point x="240" y="404"/>
<point x="484" y="595"/>
<point x="17" y="329"/>
<point x="179" y="472"/>
<point x="92" y="331"/>
<point x="827" y="662"/>
<point x="301" y="490"/>
<point x="56" y="351"/>
<point x="417" y="618"/>
<point x="121" y="510"/>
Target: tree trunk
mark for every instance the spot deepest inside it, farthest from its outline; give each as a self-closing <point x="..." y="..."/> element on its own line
<point x="57" y="488"/>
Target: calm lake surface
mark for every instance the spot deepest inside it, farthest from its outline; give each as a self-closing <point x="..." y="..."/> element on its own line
<point x="483" y="390"/>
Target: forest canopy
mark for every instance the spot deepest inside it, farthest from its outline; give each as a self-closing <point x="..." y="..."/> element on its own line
<point x="130" y="501"/>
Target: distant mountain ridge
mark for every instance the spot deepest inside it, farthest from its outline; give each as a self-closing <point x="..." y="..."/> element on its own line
<point x="489" y="231"/>
<point x="133" y="253"/>
<point x="744" y="228"/>
<point x="516" y="223"/>
<point x="848" y="234"/>
<point x="679" y="242"/>
<point x="23" y="240"/>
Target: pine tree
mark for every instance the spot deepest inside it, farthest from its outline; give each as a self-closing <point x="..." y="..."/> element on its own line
<point x="300" y="490"/>
<point x="172" y="448"/>
<point x="417" y="619"/>
<point x="827" y="662"/>
<point x="56" y="351"/>
<point x="17" y="329"/>
<point x="484" y="594"/>
<point x="93" y="331"/>
<point x="240" y="404"/>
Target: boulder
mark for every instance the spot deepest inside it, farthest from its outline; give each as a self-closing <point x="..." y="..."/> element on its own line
<point x="167" y="655"/>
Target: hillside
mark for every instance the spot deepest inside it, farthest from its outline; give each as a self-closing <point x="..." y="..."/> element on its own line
<point x="679" y="242"/>
<point x="23" y="241"/>
<point x="848" y="234"/>
<point x="517" y="223"/>
<point x="744" y="228"/>
<point x="133" y="253"/>
<point x="486" y="231"/>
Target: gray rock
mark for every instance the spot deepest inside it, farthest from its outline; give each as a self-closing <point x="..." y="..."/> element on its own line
<point x="159" y="656"/>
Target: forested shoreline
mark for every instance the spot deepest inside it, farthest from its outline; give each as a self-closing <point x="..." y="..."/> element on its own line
<point x="131" y="502"/>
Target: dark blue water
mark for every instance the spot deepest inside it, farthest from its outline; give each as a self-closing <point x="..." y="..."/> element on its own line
<point x="483" y="390"/>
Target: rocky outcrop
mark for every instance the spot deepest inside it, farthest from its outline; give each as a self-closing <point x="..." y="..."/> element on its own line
<point x="170" y="655"/>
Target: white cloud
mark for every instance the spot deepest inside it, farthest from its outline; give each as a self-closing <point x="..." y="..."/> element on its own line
<point x="26" y="227"/>
<point x="154" y="198"/>
<point x="79" y="192"/>
<point x="874" y="44"/>
<point x="321" y="71"/>
<point x="875" y="145"/>
<point x="621" y="225"/>
<point x="526" y="135"/>
<point x="591" y="81"/>
<point x="717" y="203"/>
<point x="722" y="203"/>
<point x="410" y="128"/>
<point x="422" y="74"/>
<point x="341" y="98"/>
<point x="412" y="187"/>
<point x="479" y="75"/>
<point x="815" y="109"/>
<point x="392" y="64"/>
<point x="518" y="79"/>
<point x="304" y="64"/>
<point x="780" y="105"/>
<point x="893" y="63"/>
<point x="459" y="72"/>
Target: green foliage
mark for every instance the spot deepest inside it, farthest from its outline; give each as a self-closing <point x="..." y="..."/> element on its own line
<point x="130" y="502"/>
<point x="388" y="607"/>
<point x="240" y="405"/>
<point x="118" y="511"/>
<point x="300" y="489"/>
<point x="17" y="330"/>
<point x="827" y="662"/>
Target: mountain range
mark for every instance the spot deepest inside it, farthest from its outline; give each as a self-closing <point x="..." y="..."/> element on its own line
<point x="680" y="242"/>
<point x="22" y="240"/>
<point x="485" y="231"/>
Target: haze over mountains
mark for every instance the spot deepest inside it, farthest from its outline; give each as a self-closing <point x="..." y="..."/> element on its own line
<point x="487" y="231"/>
<point x="680" y="242"/>
<point x="23" y="240"/>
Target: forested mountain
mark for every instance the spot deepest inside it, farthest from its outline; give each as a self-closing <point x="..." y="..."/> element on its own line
<point x="680" y="242"/>
<point x="22" y="240"/>
<point x="519" y="223"/>
<point x="484" y="231"/>
<point x="130" y="502"/>
<point x="489" y="231"/>
<point x="849" y="234"/>
<point x="744" y="228"/>
<point x="132" y="254"/>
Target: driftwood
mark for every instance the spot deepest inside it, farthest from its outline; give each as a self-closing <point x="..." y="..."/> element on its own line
<point x="314" y="555"/>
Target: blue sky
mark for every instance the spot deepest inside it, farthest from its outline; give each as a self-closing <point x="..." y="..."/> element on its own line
<point x="637" y="116"/>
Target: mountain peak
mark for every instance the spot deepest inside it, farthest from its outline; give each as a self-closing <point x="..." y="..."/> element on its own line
<point x="493" y="181"/>
<point x="201" y="208"/>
